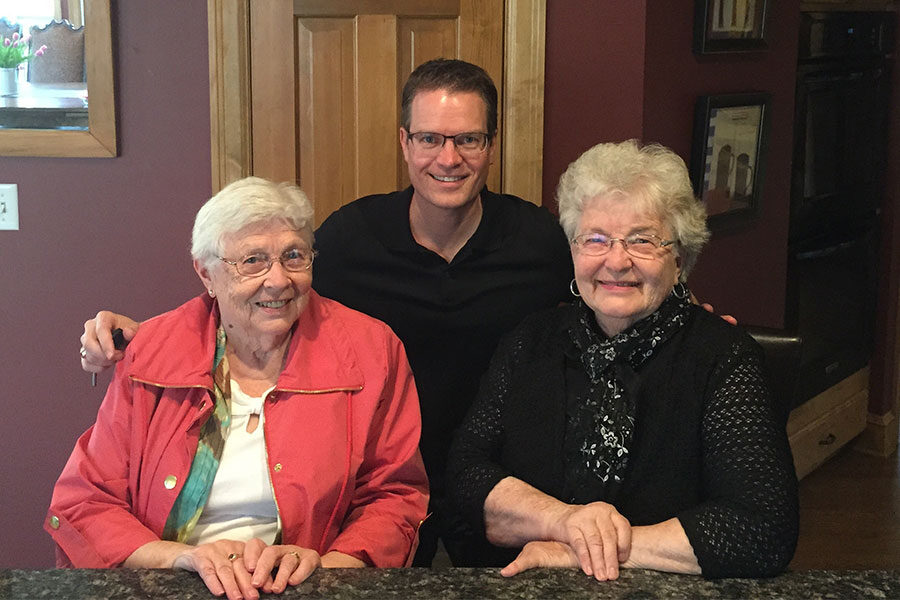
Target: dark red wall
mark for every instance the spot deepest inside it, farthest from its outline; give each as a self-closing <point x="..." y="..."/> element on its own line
<point x="617" y="70"/>
<point x="593" y="81"/>
<point x="97" y="233"/>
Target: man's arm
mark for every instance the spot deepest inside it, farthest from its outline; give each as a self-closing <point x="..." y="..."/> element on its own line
<point x="98" y="351"/>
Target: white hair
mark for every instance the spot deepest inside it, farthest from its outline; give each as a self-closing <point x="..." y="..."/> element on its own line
<point x="652" y="174"/>
<point x="248" y="201"/>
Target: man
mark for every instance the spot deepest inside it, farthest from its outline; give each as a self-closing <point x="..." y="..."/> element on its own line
<point x="449" y="265"/>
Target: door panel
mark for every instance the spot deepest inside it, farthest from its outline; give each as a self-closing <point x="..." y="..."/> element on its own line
<point x="326" y="101"/>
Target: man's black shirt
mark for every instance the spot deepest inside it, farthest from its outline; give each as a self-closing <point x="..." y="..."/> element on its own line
<point x="450" y="316"/>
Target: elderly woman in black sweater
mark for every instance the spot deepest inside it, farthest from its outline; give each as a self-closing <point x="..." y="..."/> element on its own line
<point x="631" y="428"/>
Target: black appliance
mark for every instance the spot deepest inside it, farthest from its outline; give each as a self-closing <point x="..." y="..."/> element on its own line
<point x="840" y="152"/>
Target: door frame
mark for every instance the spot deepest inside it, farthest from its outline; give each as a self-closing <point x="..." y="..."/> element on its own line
<point x="522" y="110"/>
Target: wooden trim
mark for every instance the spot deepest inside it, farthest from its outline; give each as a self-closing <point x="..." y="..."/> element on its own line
<point x="229" y="91"/>
<point x="879" y="438"/>
<point x="344" y="8"/>
<point x="522" y="120"/>
<point x="99" y="141"/>
<point x="523" y="108"/>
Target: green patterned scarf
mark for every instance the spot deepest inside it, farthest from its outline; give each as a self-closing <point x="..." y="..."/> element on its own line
<point x="192" y="498"/>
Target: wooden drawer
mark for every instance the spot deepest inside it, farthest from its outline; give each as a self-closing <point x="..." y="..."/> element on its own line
<point x="820" y="427"/>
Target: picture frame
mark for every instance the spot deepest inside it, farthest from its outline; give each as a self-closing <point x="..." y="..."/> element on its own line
<point x="729" y="26"/>
<point x="728" y="155"/>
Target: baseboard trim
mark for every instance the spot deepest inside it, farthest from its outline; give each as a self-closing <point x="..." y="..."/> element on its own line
<point x="879" y="438"/>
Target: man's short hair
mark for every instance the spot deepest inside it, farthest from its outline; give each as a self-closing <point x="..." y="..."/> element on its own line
<point x="454" y="76"/>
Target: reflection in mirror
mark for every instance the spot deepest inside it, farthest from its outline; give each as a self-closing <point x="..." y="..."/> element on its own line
<point x="42" y="74"/>
<point x="56" y="94"/>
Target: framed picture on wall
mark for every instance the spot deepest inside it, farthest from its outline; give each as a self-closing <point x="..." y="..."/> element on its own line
<point x="728" y="155"/>
<point x="729" y="26"/>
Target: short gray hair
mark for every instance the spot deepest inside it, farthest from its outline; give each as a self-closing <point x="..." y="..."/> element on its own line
<point x="652" y="172"/>
<point x="248" y="201"/>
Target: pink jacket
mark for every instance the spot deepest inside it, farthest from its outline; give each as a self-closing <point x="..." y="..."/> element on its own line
<point x="341" y="428"/>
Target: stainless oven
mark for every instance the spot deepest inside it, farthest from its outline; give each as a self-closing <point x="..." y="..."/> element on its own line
<point x="840" y="125"/>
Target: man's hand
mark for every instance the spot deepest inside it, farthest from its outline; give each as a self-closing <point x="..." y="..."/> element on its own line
<point x="727" y="318"/>
<point x="98" y="352"/>
<point x="709" y="308"/>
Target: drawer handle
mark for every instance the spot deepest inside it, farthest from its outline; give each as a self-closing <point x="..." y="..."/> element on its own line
<point x="829" y="440"/>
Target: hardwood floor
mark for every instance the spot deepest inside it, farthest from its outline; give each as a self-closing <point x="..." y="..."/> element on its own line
<point x="850" y="514"/>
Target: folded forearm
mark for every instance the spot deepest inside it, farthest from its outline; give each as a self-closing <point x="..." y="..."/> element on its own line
<point x="339" y="560"/>
<point x="662" y="547"/>
<point x="155" y="555"/>
<point x="516" y="513"/>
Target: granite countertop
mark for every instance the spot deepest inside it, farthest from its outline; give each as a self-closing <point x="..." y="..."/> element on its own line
<point x="449" y="584"/>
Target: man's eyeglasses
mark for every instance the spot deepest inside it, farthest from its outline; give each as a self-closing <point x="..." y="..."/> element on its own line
<point x="467" y="144"/>
<point x="639" y="245"/>
<point x="254" y="265"/>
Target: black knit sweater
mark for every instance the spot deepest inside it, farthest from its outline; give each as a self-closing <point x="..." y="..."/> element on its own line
<point x="709" y="447"/>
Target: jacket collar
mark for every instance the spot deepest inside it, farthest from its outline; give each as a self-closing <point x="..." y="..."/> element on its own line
<point x="176" y="349"/>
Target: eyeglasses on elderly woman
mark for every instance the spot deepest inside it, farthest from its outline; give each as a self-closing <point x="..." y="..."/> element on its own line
<point x="639" y="245"/>
<point x="255" y="265"/>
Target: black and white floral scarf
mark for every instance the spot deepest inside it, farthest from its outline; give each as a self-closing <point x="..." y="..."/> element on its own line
<point x="607" y="414"/>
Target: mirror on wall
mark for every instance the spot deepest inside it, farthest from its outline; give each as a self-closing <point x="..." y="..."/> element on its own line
<point x="56" y="79"/>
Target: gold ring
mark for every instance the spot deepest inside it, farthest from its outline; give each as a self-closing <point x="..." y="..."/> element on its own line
<point x="83" y="352"/>
<point x="233" y="556"/>
<point x="296" y="554"/>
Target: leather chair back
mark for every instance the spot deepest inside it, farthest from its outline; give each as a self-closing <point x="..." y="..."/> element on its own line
<point x="782" y="350"/>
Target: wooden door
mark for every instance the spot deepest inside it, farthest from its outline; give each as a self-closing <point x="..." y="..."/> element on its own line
<point x="330" y="117"/>
<point x="309" y="90"/>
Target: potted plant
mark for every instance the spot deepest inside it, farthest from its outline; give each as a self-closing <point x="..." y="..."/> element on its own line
<point x="13" y="52"/>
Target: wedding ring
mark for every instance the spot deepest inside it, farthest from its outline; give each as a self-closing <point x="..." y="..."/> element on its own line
<point x="296" y="554"/>
<point x="83" y="352"/>
<point x="233" y="556"/>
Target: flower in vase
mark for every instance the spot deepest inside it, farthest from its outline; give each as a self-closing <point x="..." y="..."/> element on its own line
<point x="15" y="50"/>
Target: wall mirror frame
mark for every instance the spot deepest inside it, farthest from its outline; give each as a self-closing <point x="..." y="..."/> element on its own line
<point x="99" y="140"/>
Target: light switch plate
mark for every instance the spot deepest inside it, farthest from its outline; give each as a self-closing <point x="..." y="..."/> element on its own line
<point x="9" y="206"/>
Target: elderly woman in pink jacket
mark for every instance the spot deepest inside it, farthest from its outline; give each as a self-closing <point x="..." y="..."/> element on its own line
<point x="256" y="432"/>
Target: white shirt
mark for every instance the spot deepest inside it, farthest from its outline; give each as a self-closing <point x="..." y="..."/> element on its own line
<point x="241" y="504"/>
